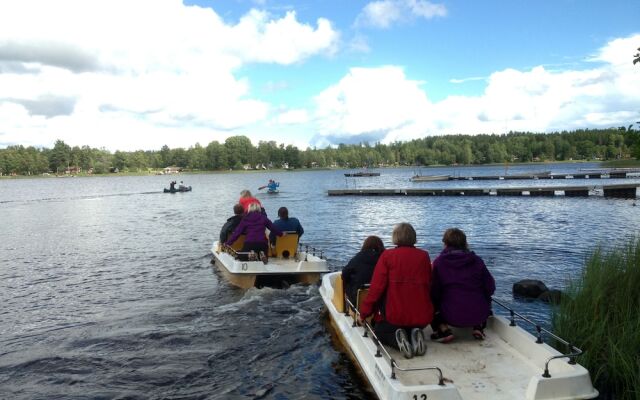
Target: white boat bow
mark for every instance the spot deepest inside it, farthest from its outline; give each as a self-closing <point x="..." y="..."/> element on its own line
<point x="509" y="364"/>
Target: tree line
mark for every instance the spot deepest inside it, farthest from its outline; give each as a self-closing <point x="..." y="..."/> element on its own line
<point x="237" y="152"/>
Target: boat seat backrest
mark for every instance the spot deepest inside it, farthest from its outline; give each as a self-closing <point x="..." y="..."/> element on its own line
<point x="338" y="294"/>
<point x="362" y="294"/>
<point x="237" y="245"/>
<point x="286" y="246"/>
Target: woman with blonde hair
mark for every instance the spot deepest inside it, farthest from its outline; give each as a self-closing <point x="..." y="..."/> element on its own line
<point x="253" y="225"/>
<point x="399" y="294"/>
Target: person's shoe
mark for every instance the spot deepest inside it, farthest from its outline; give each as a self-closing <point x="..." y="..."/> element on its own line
<point x="403" y="343"/>
<point x="418" y="342"/>
<point x="442" y="336"/>
<point x="252" y="256"/>
<point x="263" y="257"/>
<point x="478" y="334"/>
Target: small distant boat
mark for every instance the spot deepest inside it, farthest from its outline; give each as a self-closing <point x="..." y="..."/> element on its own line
<point x="179" y="190"/>
<point x="364" y="172"/>
<point x="509" y="364"/>
<point x="288" y="262"/>
<point x="274" y="191"/>
<point x="430" y="178"/>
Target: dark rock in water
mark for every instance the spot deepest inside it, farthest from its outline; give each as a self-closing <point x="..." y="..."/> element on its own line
<point x="551" y="296"/>
<point x="531" y="288"/>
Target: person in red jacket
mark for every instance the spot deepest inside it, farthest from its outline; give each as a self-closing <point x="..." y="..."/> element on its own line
<point x="400" y="294"/>
<point x="246" y="199"/>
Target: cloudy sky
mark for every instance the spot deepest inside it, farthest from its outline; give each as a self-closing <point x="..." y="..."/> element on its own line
<point x="139" y="74"/>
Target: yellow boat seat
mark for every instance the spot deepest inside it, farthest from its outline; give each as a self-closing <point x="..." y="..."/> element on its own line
<point x="237" y="245"/>
<point x="286" y="246"/>
<point x="338" y="294"/>
<point x="362" y="294"/>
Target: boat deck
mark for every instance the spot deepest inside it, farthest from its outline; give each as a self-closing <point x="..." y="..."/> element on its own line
<point x="479" y="369"/>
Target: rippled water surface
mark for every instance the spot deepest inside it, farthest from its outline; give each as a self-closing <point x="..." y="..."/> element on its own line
<point x="107" y="290"/>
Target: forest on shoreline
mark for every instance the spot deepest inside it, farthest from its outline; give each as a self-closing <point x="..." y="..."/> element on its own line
<point x="238" y="152"/>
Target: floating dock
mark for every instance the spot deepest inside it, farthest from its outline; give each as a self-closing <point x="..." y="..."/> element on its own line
<point x="581" y="175"/>
<point x="624" y="191"/>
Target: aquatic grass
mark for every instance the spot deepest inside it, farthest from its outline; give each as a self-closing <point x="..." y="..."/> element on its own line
<point x="600" y="313"/>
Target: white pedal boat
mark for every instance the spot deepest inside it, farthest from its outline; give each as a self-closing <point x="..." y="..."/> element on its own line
<point x="509" y="364"/>
<point x="288" y="262"/>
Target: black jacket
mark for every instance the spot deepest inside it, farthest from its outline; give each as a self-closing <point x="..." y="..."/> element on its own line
<point x="228" y="227"/>
<point x="358" y="272"/>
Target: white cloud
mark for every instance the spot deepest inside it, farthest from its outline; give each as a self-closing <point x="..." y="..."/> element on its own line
<point x="368" y="102"/>
<point x="128" y="75"/>
<point x="292" y="117"/>
<point x="383" y="104"/>
<point x="385" y="13"/>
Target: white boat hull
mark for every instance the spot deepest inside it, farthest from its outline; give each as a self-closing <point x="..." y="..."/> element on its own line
<point x="430" y="178"/>
<point x="303" y="268"/>
<point x="508" y="364"/>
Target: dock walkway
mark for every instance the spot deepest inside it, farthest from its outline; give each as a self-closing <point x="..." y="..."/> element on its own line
<point x="626" y="191"/>
<point x="581" y="175"/>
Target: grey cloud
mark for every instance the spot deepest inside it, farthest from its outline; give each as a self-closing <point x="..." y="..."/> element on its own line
<point x="345" y="138"/>
<point x="48" y="106"/>
<point x="482" y="117"/>
<point x="604" y="77"/>
<point x="59" y="55"/>
<point x="13" y="67"/>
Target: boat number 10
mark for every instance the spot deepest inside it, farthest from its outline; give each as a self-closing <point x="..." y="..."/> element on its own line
<point x="420" y="397"/>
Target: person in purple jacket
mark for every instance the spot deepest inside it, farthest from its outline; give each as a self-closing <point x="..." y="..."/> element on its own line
<point x="461" y="288"/>
<point x="253" y="225"/>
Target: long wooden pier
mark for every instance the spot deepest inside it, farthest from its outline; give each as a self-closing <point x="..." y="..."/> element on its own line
<point x="555" y="176"/>
<point x="625" y="191"/>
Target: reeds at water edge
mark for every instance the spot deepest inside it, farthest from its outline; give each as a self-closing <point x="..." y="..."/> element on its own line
<point x="600" y="313"/>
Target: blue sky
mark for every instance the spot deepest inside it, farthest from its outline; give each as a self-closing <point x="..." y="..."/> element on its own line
<point x="137" y="75"/>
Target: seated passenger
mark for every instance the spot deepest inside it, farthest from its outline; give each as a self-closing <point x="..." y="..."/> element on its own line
<point x="246" y="199"/>
<point x="253" y="225"/>
<point x="461" y="289"/>
<point x="181" y="186"/>
<point x="399" y="294"/>
<point x="286" y="224"/>
<point x="359" y="270"/>
<point x="232" y="223"/>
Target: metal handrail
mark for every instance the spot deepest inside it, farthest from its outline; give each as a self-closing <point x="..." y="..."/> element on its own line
<point x="573" y="350"/>
<point x="379" y="346"/>
<point x="234" y="253"/>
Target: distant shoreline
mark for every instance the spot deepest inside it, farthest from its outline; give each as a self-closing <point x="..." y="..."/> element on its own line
<point x="602" y="164"/>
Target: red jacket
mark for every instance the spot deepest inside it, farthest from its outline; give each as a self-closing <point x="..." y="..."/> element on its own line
<point x="402" y="280"/>
<point x="247" y="201"/>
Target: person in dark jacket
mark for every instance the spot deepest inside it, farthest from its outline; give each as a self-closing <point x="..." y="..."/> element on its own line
<point x="286" y="224"/>
<point x="253" y="225"/>
<point x="232" y="223"/>
<point x="461" y="289"/>
<point x="359" y="269"/>
<point x="399" y="294"/>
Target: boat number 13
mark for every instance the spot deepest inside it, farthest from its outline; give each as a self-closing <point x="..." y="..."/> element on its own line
<point x="420" y="397"/>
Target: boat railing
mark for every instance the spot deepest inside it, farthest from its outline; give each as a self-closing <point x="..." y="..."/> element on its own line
<point x="380" y="349"/>
<point x="572" y="351"/>
<point x="236" y="254"/>
<point x="307" y="250"/>
<point x="310" y="250"/>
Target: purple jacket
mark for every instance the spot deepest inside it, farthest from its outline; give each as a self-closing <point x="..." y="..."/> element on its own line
<point x="253" y="225"/>
<point x="462" y="287"/>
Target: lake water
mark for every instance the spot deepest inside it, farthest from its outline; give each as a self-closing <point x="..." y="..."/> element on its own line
<point x="107" y="291"/>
